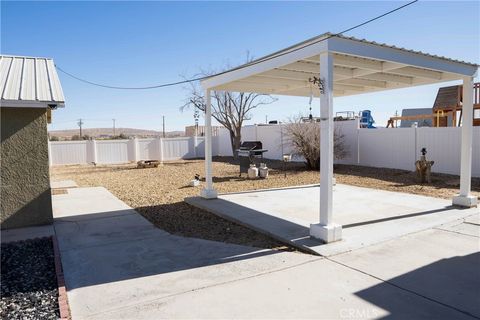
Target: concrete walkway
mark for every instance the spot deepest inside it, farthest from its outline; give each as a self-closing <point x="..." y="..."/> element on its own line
<point x="368" y="216"/>
<point x="118" y="266"/>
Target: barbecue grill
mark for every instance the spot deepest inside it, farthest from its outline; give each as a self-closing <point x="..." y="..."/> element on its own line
<point x="248" y="154"/>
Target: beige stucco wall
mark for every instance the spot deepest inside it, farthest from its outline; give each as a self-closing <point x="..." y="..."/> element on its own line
<point x="25" y="184"/>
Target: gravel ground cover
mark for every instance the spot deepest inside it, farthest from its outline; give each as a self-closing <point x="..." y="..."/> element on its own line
<point x="28" y="280"/>
<point x="158" y="193"/>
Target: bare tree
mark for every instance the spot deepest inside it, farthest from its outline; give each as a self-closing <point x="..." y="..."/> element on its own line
<point x="304" y="139"/>
<point x="230" y="109"/>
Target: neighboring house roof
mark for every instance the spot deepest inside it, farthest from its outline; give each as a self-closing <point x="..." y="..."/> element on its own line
<point x="29" y="82"/>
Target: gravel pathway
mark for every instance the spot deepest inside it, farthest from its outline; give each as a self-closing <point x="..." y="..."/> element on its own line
<point x="28" y="280"/>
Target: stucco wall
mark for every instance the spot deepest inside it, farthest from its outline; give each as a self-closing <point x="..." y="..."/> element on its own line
<point x="25" y="184"/>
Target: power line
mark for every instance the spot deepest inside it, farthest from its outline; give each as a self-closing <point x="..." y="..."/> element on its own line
<point x="270" y="57"/>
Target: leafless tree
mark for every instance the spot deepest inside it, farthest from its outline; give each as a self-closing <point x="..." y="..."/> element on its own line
<point x="230" y="109"/>
<point x="304" y="139"/>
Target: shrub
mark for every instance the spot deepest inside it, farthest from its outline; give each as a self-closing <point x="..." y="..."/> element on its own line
<point x="304" y="139"/>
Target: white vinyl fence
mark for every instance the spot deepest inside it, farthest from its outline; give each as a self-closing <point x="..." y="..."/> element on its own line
<point x="396" y="148"/>
<point x="124" y="151"/>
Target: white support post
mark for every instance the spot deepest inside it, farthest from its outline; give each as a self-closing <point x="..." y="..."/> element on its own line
<point x="465" y="198"/>
<point x="208" y="192"/>
<point x="326" y="230"/>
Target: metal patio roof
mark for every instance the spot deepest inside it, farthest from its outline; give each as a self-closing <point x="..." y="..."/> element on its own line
<point x="29" y="82"/>
<point x="360" y="66"/>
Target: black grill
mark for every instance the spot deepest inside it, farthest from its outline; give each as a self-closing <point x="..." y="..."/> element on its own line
<point x="249" y="153"/>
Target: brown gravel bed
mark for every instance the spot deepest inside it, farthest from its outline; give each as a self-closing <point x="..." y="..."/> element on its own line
<point x="158" y="193"/>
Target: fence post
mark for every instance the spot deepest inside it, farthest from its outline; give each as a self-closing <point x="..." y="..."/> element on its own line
<point x="195" y="143"/>
<point x="50" y="160"/>
<point x="416" y="143"/>
<point x="217" y="139"/>
<point x="358" y="146"/>
<point x="134" y="147"/>
<point x="92" y="145"/>
<point x="160" y="150"/>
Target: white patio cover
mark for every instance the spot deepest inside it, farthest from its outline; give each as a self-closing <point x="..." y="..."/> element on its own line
<point x="346" y="66"/>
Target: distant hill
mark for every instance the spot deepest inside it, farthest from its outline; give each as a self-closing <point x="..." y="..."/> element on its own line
<point x="108" y="132"/>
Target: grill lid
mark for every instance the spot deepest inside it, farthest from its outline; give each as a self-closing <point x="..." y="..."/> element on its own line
<point x="251" y="145"/>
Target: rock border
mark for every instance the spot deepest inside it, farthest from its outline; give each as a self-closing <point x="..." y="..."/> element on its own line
<point x="63" y="306"/>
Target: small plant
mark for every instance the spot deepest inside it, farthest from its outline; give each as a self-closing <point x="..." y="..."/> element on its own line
<point x="304" y="138"/>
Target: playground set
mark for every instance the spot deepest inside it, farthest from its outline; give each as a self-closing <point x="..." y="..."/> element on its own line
<point x="365" y="116"/>
<point x="446" y="109"/>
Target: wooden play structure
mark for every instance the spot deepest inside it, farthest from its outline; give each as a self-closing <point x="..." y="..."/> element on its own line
<point x="447" y="108"/>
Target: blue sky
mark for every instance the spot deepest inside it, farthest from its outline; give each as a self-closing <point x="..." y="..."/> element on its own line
<point x="145" y="43"/>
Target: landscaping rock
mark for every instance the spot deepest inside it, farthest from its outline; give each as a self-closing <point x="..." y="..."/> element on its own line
<point x="28" y="280"/>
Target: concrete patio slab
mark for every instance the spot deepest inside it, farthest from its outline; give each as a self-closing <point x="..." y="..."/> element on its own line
<point x="116" y="266"/>
<point x="113" y="257"/>
<point x="103" y="230"/>
<point x="462" y="227"/>
<point x="319" y="289"/>
<point x="368" y="216"/>
<point x="26" y="233"/>
<point x="473" y="219"/>
<point x="84" y="203"/>
<point x="63" y="184"/>
<point x="439" y="264"/>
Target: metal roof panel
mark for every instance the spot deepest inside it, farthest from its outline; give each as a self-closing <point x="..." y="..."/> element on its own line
<point x="12" y="85"/>
<point x="55" y="87"/>
<point x="29" y="79"/>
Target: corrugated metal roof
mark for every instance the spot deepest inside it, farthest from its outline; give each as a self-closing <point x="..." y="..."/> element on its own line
<point x="398" y="48"/>
<point x="326" y="35"/>
<point x="29" y="79"/>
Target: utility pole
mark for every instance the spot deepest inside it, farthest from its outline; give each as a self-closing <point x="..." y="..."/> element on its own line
<point x="163" y="121"/>
<point x="113" y="127"/>
<point x="80" y="123"/>
<point x="266" y="119"/>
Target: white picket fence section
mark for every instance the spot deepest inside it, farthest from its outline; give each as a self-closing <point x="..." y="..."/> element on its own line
<point x="396" y="148"/>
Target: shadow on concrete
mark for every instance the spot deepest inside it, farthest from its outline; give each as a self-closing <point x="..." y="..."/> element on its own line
<point x="291" y="229"/>
<point x="453" y="283"/>
<point x="283" y="230"/>
<point x="416" y="214"/>
<point x="108" y="248"/>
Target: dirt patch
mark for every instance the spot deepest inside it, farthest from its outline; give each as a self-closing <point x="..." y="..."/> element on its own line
<point x="158" y="193"/>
